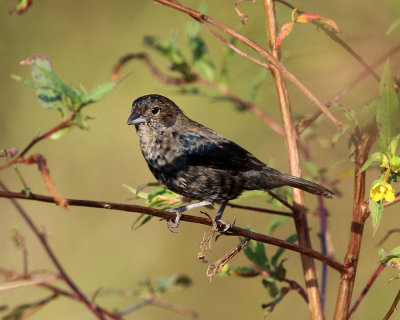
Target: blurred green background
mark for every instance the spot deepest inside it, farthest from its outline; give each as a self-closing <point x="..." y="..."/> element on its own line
<point x="98" y="249"/>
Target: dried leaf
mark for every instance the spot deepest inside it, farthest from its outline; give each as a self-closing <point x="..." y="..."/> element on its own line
<point x="309" y="17"/>
<point x="286" y="29"/>
<point x="21" y="6"/>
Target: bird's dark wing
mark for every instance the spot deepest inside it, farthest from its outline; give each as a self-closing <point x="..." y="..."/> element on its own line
<point x="217" y="152"/>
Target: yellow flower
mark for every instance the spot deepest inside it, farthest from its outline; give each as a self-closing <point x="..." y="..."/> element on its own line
<point x="381" y="190"/>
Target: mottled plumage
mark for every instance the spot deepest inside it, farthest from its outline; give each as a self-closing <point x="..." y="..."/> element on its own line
<point x="196" y="162"/>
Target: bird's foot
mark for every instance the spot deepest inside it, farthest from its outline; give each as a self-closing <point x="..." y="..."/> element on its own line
<point x="225" y="225"/>
<point x="177" y="220"/>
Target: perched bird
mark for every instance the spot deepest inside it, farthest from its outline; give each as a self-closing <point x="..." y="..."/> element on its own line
<point x="198" y="163"/>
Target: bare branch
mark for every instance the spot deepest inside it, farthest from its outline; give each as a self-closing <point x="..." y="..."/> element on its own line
<point x="188" y="218"/>
<point x="202" y="17"/>
<point x="63" y="275"/>
<point x="393" y="307"/>
<point x="336" y="38"/>
<point x="366" y="289"/>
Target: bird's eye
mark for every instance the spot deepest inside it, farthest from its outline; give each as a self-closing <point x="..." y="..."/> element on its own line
<point x="155" y="110"/>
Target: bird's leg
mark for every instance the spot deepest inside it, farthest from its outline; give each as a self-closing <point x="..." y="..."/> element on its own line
<point x="218" y="217"/>
<point x="178" y="211"/>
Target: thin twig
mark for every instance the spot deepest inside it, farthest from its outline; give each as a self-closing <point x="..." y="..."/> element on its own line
<point x="393" y="307"/>
<point x="263" y="52"/>
<point x="135" y="307"/>
<point x="387" y="235"/>
<point x="292" y="283"/>
<point x="395" y="200"/>
<point x="10" y="274"/>
<point x="336" y="38"/>
<point x="30" y="282"/>
<point x="366" y="289"/>
<point x="44" y="170"/>
<point x="170" y="80"/>
<point x="19" y="157"/>
<point x="322" y="235"/>
<point x="281" y="200"/>
<point x="39" y="305"/>
<point x="166" y="215"/>
<point x="22" y="244"/>
<point x="63" y="275"/>
<point x="304" y="123"/>
<point x="256" y="209"/>
<point x="175" y="308"/>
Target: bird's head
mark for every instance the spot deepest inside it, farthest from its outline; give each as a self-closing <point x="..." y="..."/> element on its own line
<point x="154" y="111"/>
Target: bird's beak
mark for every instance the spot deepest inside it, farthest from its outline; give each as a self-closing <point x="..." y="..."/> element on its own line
<point x="135" y="118"/>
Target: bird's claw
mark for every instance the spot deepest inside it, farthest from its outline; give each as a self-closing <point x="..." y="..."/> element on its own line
<point x="226" y="225"/>
<point x="177" y="220"/>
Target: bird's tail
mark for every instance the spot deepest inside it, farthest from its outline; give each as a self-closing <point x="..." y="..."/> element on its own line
<point x="288" y="180"/>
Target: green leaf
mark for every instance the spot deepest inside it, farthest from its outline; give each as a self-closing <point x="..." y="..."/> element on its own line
<point x="313" y="168"/>
<point x="393" y="26"/>
<point x="60" y="133"/>
<point x="26" y="83"/>
<point x="395" y="251"/>
<point x="143" y="219"/>
<point x="276" y="222"/>
<point x="256" y="84"/>
<point x="81" y="120"/>
<point x="243" y="271"/>
<point x="255" y="252"/>
<point x="99" y="92"/>
<point x="393" y="145"/>
<point x="368" y="114"/>
<point x="346" y="127"/>
<point x="388" y="113"/>
<point x="49" y="88"/>
<point x="271" y="287"/>
<point x="170" y="50"/>
<point x="376" y="156"/>
<point x="57" y="85"/>
<point x="19" y="311"/>
<point x="376" y="209"/>
<point x="223" y="78"/>
<point x="279" y="251"/>
<point x="200" y="57"/>
<point x="271" y="305"/>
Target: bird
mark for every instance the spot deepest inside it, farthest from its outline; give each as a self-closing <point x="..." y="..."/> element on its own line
<point x="198" y="163"/>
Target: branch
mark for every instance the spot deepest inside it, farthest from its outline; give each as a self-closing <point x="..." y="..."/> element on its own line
<point x="263" y="52"/>
<point x="387" y="235"/>
<point x="291" y="138"/>
<point x="357" y="226"/>
<point x="20" y="157"/>
<point x="366" y="289"/>
<point x="170" y="80"/>
<point x="63" y="275"/>
<point x="336" y="38"/>
<point x="256" y="209"/>
<point x="57" y="291"/>
<point x="29" y="282"/>
<point x="303" y="124"/>
<point x="393" y="306"/>
<point x="188" y="218"/>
